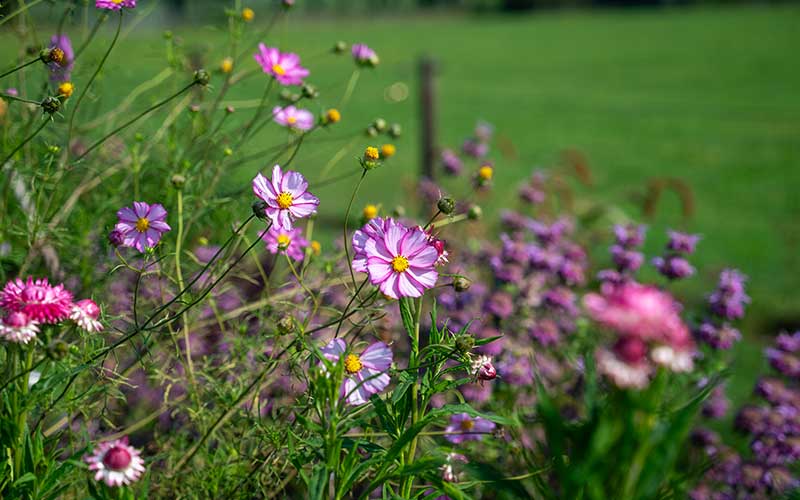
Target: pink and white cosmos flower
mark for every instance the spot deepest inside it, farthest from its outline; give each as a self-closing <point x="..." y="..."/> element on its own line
<point x="286" y="196"/>
<point x="467" y="428"/>
<point x="401" y="261"/>
<point x="284" y="67"/>
<point x="289" y="241"/>
<point x="142" y="226"/>
<point x="115" y="462"/>
<point x="365" y="374"/>
<point x="38" y="299"/>
<point x="293" y="118"/>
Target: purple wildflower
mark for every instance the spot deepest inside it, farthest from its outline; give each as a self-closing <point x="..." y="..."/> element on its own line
<point x="467" y="428"/>
<point x="143" y="225"/>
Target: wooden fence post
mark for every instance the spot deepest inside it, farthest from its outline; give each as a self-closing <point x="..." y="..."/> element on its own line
<point x="427" y="104"/>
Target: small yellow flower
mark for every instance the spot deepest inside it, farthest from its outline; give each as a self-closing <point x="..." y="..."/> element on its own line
<point x="388" y="150"/>
<point x="371" y="154"/>
<point x="316" y="247"/>
<point x="370" y="212"/>
<point x="57" y="56"/>
<point x="66" y="89"/>
<point x="226" y="65"/>
<point x="485" y="173"/>
<point x="248" y="14"/>
<point x="333" y="116"/>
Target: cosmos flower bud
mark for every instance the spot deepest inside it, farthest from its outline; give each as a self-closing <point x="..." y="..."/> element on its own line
<point x="461" y="283"/>
<point x="332" y="116"/>
<point x="226" y="66"/>
<point x="260" y="209"/>
<point x="388" y="150"/>
<point x="116" y="238"/>
<point x="66" y="89"/>
<point x="370" y="158"/>
<point x="52" y="55"/>
<point x="395" y="130"/>
<point x="178" y="181"/>
<point x="50" y="105"/>
<point x="379" y="124"/>
<point x="248" y="14"/>
<point x="370" y="212"/>
<point x="465" y="343"/>
<point x="399" y="211"/>
<point x="201" y="77"/>
<point x="371" y="131"/>
<point x="310" y="91"/>
<point x="446" y="205"/>
<point x="286" y="325"/>
<point x="340" y="47"/>
<point x="475" y="212"/>
<point x="227" y="151"/>
<point x="230" y="109"/>
<point x="287" y="4"/>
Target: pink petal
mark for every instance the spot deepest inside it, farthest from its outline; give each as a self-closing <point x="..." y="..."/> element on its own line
<point x="127" y="215"/>
<point x="377" y="356"/>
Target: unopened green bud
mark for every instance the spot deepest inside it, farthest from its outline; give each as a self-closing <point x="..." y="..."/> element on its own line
<point x="340" y="47"/>
<point x="371" y="131"/>
<point x="286" y="325"/>
<point x="201" y="77"/>
<point x="178" y="181"/>
<point x="51" y="105"/>
<point x="446" y="205"/>
<point x="461" y="283"/>
<point x="475" y="212"/>
<point x="379" y="124"/>
<point x="310" y="91"/>
<point x="465" y="343"/>
<point x="260" y="209"/>
<point x="395" y="130"/>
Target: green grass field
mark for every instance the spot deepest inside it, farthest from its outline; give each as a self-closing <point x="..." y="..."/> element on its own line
<point x="709" y="96"/>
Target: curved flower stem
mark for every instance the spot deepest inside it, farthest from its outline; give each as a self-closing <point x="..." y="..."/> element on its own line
<point x="89" y="84"/>
<point x="344" y="232"/>
<point x="314" y="298"/>
<point x="257" y="115"/>
<point x="187" y="347"/>
<point x="20" y="99"/>
<point x="14" y="70"/>
<point x="347" y="307"/>
<point x="22" y="9"/>
<point x="132" y="120"/>
<point x="351" y="86"/>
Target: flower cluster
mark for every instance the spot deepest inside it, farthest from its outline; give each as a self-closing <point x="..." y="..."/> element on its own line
<point x="673" y="264"/>
<point x="726" y="304"/>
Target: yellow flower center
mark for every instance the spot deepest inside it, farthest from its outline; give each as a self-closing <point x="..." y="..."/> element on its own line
<point x="352" y="364"/>
<point x="485" y="172"/>
<point x="283" y="241"/>
<point x="388" y="150"/>
<point x="278" y="69"/>
<point x="370" y="212"/>
<point x="467" y="425"/>
<point x="400" y="264"/>
<point x="142" y="224"/>
<point x="291" y="120"/>
<point x="333" y="115"/>
<point x="117" y="1"/>
<point x="66" y="89"/>
<point x="285" y="200"/>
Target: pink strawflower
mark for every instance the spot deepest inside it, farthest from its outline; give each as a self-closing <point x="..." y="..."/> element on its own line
<point x="364" y="55"/>
<point x="284" y="67"/>
<point x="115" y="462"/>
<point x="17" y="327"/>
<point x="85" y="313"/>
<point x="468" y="428"/>
<point x="365" y="374"/>
<point x="293" y="118"/>
<point x="38" y="299"/>
<point x="114" y="4"/>
<point x="286" y="196"/>
<point x="638" y="310"/>
<point x="400" y="260"/>
<point x="290" y="241"/>
<point x="142" y="226"/>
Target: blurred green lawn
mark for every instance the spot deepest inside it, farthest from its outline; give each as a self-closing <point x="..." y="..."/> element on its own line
<point x="707" y="95"/>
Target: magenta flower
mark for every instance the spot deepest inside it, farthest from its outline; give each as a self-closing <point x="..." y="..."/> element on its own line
<point x="290" y="241"/>
<point x="284" y="67"/>
<point x="142" y="226"/>
<point x="468" y="428"/>
<point x="62" y="72"/>
<point x="632" y="309"/>
<point x="364" y="55"/>
<point x="400" y="260"/>
<point x="18" y="328"/>
<point x="37" y="299"/>
<point x="286" y="196"/>
<point x="374" y="229"/>
<point x="293" y="118"/>
<point x="115" y="462"/>
<point x="365" y="374"/>
<point x="115" y="4"/>
<point x="85" y="313"/>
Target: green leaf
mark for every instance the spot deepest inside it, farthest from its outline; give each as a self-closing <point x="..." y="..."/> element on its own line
<point x="407" y="313"/>
<point x="319" y="479"/>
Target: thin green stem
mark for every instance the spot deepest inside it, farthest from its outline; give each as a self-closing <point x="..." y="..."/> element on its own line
<point x="132" y="120"/>
<point x="344" y="232"/>
<point x="100" y="21"/>
<point x="20" y="99"/>
<point x="85" y="89"/>
<point x="187" y="346"/>
<point x="23" y="143"/>
<point x="22" y="9"/>
<point x="14" y="70"/>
